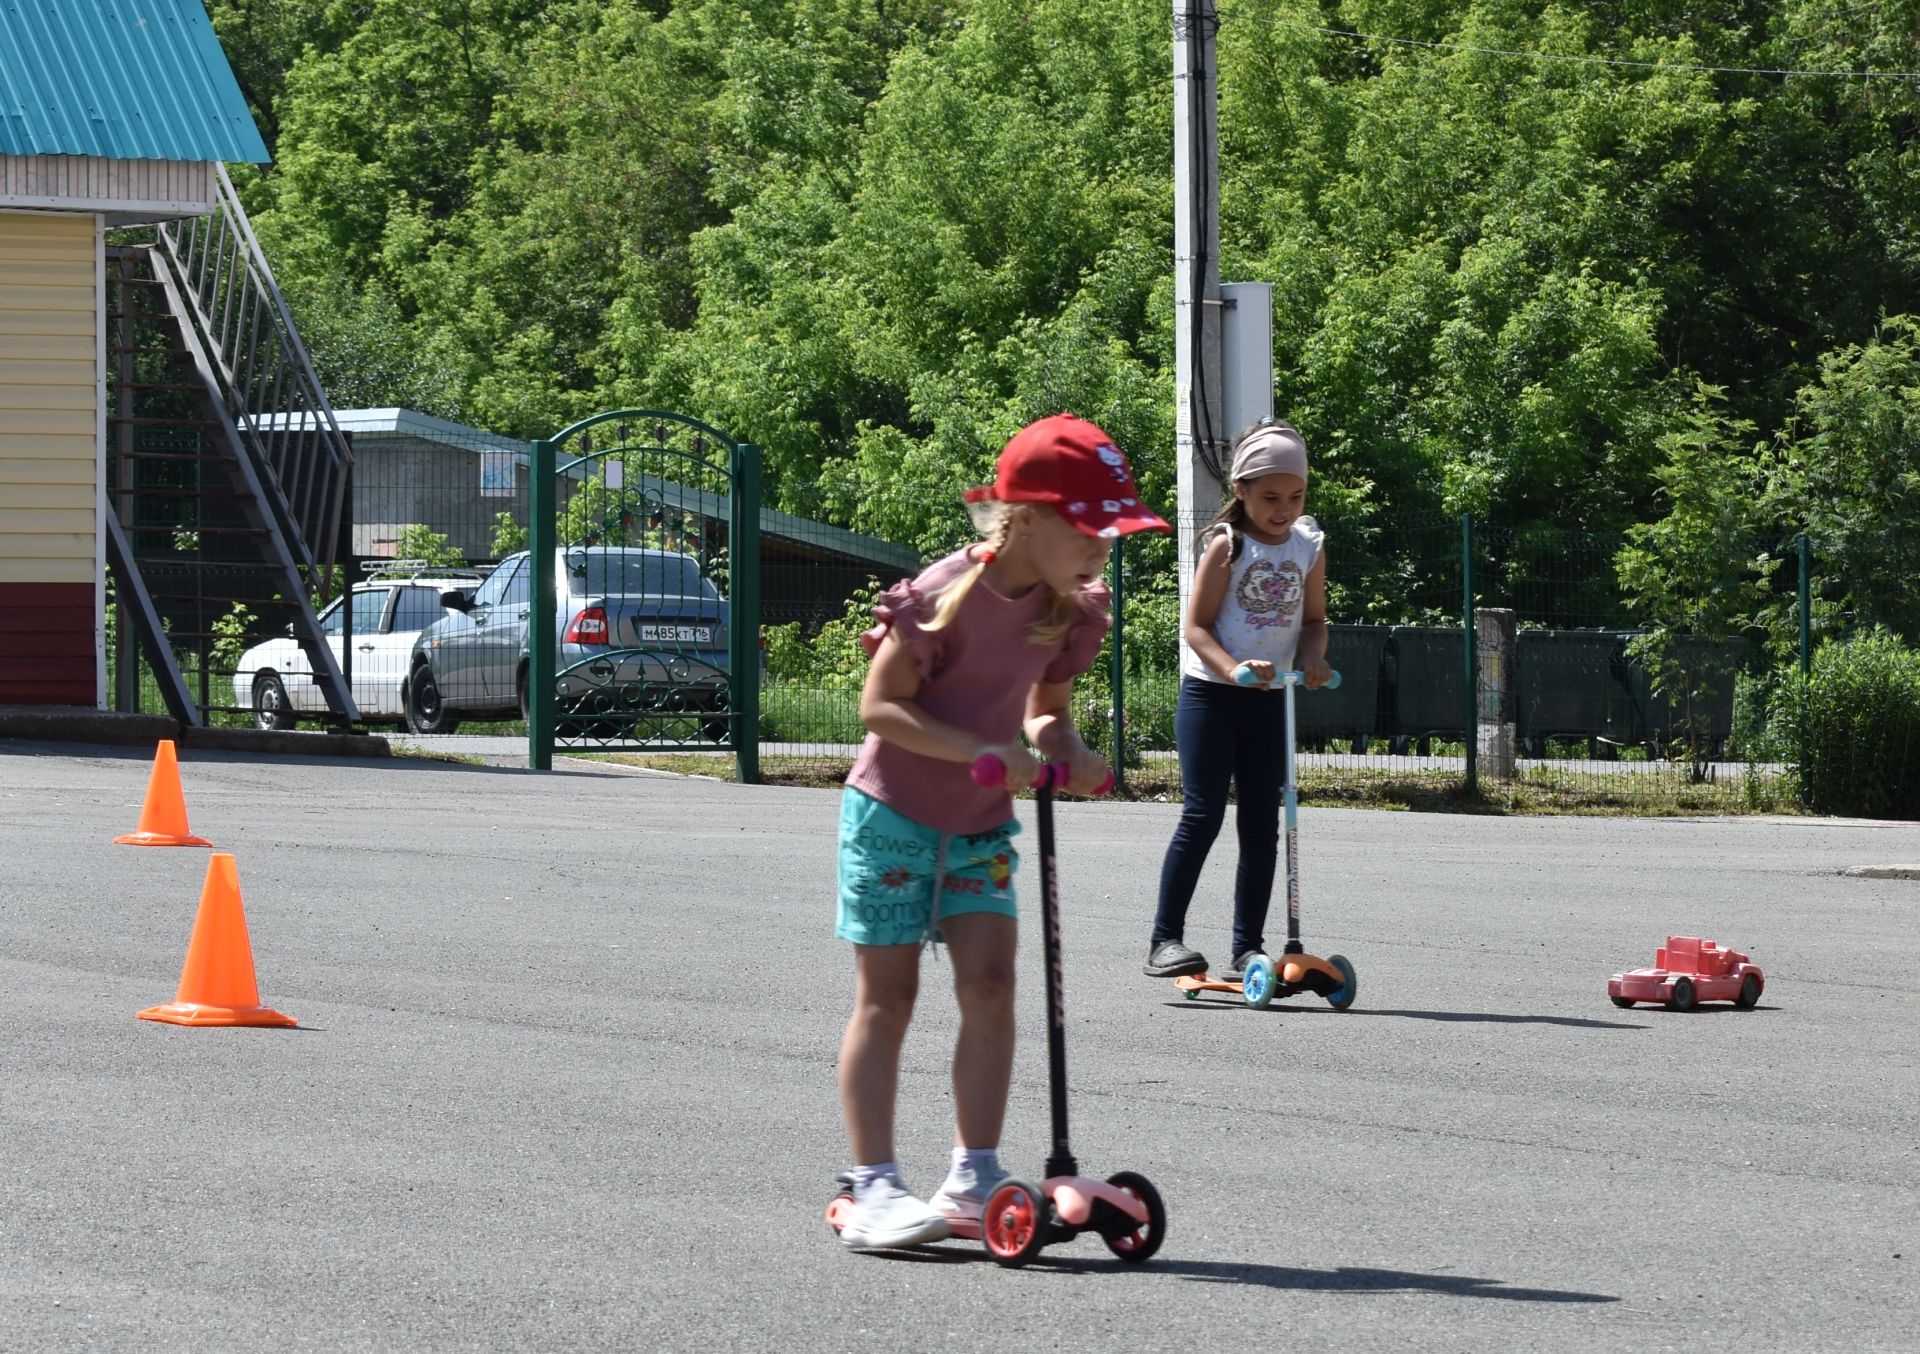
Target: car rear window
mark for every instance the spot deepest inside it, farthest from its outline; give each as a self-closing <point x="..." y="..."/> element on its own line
<point x="621" y="573"/>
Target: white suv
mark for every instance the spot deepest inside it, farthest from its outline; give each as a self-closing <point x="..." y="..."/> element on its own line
<point x="390" y="609"/>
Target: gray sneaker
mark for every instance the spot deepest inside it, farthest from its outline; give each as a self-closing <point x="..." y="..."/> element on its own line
<point x="1234" y="972"/>
<point x="1172" y="958"/>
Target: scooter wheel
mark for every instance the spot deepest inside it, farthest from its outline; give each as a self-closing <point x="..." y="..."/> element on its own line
<point x="1343" y="996"/>
<point x="1141" y="1240"/>
<point x="1193" y="994"/>
<point x="1015" y="1221"/>
<point x="1257" y="982"/>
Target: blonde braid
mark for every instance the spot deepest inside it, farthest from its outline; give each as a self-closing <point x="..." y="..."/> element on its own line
<point x="956" y="592"/>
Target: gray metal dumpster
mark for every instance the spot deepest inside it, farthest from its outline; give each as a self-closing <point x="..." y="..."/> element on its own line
<point x="1352" y="711"/>
<point x="1575" y="684"/>
<point x="1428" y="669"/>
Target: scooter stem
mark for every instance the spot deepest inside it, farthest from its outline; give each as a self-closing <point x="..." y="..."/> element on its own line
<point x="1060" y="1161"/>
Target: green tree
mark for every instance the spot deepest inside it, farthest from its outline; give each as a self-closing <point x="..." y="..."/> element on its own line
<point x="1848" y="469"/>
<point x="420" y="542"/>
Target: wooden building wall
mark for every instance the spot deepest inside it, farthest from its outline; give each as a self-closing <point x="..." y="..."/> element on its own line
<point x="51" y="451"/>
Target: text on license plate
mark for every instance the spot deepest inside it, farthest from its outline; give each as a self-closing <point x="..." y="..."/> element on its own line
<point x="676" y="634"/>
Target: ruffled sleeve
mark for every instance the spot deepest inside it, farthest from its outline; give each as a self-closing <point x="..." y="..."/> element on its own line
<point x="1082" y="644"/>
<point x="901" y="611"/>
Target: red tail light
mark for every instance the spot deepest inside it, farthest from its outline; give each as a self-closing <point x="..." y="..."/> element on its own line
<point x="589" y="627"/>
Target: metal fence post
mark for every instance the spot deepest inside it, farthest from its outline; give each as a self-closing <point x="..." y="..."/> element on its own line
<point x="540" y="633"/>
<point x="743" y="532"/>
<point x="1118" y="714"/>
<point x="1468" y="642"/>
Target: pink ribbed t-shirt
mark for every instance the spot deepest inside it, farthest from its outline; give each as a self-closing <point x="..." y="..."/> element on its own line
<point x="975" y="675"/>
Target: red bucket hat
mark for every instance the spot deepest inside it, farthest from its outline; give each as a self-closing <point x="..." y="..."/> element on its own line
<point x="1068" y="462"/>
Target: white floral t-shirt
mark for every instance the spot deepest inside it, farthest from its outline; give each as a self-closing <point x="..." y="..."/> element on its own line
<point x="1260" y="614"/>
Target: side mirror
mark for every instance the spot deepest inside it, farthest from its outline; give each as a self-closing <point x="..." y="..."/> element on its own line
<point x="455" y="600"/>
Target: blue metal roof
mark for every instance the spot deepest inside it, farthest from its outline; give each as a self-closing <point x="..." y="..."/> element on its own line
<point x="122" y="80"/>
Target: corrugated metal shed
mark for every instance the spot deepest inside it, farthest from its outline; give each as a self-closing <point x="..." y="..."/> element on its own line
<point x="120" y="79"/>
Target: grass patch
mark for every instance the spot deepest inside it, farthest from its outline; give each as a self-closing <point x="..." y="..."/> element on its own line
<point x="419" y="754"/>
<point x="1636" y="794"/>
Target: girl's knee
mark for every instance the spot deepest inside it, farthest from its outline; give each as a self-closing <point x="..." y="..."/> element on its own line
<point x="988" y="987"/>
<point x="1200" y="824"/>
<point x="886" y="1004"/>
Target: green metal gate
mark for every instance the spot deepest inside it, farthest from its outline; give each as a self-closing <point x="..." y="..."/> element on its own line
<point x="645" y="543"/>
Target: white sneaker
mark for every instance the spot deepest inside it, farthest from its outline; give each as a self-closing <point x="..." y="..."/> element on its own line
<point x="885" y="1213"/>
<point x="965" y="1194"/>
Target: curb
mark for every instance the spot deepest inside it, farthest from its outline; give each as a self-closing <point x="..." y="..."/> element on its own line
<point x="77" y="724"/>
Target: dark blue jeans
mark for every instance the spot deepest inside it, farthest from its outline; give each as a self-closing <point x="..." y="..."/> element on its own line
<point x="1237" y="734"/>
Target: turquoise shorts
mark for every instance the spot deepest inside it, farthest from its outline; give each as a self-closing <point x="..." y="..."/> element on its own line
<point x="889" y="863"/>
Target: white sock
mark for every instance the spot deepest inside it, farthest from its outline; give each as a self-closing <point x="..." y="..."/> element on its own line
<point x="865" y="1176"/>
<point x="982" y="1162"/>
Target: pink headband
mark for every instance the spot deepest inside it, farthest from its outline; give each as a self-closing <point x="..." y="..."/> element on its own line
<point x="1276" y="449"/>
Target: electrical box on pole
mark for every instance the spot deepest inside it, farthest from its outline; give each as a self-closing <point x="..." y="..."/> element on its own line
<point x="1246" y="354"/>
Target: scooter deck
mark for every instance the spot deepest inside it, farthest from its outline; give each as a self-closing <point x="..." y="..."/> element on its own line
<point x="1294" y="974"/>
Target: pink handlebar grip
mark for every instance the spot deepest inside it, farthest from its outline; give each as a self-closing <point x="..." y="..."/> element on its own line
<point x="990" y="771"/>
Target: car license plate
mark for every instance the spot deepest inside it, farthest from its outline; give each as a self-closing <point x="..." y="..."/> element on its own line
<point x="676" y="634"/>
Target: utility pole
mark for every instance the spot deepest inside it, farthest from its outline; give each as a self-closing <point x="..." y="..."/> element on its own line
<point x="1200" y="439"/>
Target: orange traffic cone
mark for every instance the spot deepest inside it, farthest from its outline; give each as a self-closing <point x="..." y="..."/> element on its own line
<point x="163" y="818"/>
<point x="217" y="986"/>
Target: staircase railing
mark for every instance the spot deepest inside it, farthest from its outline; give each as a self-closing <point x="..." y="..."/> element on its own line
<point x="267" y="381"/>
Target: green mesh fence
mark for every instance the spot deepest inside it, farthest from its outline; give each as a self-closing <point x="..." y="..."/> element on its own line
<point x="1564" y="699"/>
<point x="1598" y="711"/>
<point x="1589" y="713"/>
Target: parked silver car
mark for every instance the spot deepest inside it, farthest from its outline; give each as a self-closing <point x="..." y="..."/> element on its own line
<point x="637" y="632"/>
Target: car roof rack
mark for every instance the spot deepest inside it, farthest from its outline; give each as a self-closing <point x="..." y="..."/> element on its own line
<point x="410" y="570"/>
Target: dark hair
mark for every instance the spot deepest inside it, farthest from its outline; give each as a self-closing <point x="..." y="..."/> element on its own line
<point x="1234" y="514"/>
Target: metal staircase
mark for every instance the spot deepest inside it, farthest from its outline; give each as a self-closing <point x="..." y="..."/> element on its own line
<point x="227" y="472"/>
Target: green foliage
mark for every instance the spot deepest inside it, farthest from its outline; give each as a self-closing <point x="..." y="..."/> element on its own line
<point x="417" y="541"/>
<point x="508" y="535"/>
<point x="1856" y="722"/>
<point x="232" y="633"/>
<point x="1848" y="467"/>
<point x="877" y="239"/>
<point x="1693" y="577"/>
<point x="827" y="657"/>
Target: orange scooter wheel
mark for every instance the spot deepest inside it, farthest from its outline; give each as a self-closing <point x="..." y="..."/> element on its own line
<point x="1015" y="1221"/>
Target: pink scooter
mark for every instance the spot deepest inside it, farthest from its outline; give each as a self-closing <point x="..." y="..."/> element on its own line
<point x="1019" y="1217"/>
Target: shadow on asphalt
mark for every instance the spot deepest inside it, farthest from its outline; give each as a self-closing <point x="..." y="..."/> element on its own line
<point x="1345" y="1279"/>
<point x="1474" y="1017"/>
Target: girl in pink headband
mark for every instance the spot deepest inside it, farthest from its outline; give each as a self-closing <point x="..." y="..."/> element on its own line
<point x="1258" y="608"/>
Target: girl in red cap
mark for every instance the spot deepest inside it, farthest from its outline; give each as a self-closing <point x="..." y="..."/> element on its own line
<point x="1259" y="605"/>
<point x="982" y="645"/>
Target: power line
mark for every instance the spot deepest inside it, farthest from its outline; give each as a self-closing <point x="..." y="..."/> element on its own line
<point x="1570" y="58"/>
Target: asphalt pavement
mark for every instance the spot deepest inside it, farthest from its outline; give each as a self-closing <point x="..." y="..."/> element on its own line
<point x="564" y="1081"/>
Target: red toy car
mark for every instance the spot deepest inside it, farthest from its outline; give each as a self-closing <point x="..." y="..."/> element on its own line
<point x="1687" y="971"/>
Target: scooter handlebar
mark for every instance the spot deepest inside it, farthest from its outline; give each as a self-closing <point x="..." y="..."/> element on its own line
<point x="1244" y="675"/>
<point x="990" y="771"/>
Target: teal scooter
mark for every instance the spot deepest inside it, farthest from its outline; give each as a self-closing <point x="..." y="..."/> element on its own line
<point x="1295" y="971"/>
